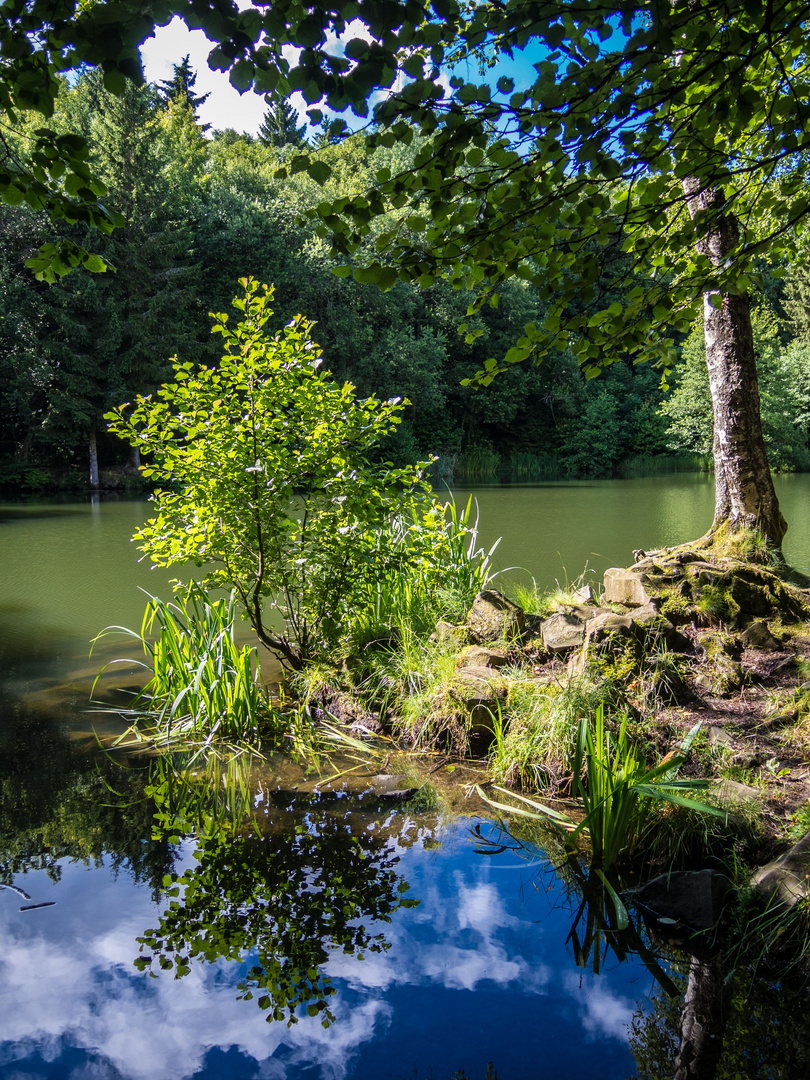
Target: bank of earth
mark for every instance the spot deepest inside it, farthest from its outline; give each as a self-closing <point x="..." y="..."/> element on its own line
<point x="684" y="635"/>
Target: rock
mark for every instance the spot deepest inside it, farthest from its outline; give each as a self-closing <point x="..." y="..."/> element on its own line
<point x="787" y="879"/>
<point x="758" y="636"/>
<point x="451" y="634"/>
<point x="695" y="898"/>
<point x="625" y="587"/>
<point x="748" y="759"/>
<point x="732" y="792"/>
<point x="583" y="595"/>
<point x="562" y="632"/>
<point x="646" y="613"/>
<point x="720" y="737"/>
<point x="389" y="787"/>
<point x="606" y="624"/>
<point x="475" y="687"/>
<point x="396" y="794"/>
<point x="751" y="599"/>
<point x="725" y="673"/>
<point x="584" y="612"/>
<point x="704" y="683"/>
<point x="479" y="657"/>
<point x="647" y="616"/>
<point x="493" y="618"/>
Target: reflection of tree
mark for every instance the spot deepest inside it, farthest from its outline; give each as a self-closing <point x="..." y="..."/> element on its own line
<point x="278" y="895"/>
<point x="763" y="1031"/>
<point x="704" y="1014"/>
<point x="57" y="802"/>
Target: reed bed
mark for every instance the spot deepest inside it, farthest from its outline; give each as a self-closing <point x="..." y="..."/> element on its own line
<point x="201" y="683"/>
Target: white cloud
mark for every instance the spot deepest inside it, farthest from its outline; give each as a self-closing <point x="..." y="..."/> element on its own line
<point x="603" y="1014"/>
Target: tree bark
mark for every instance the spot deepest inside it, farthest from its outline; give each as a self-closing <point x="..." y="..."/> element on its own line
<point x="93" y="460"/>
<point x="133" y="465"/>
<point x="744" y="493"/>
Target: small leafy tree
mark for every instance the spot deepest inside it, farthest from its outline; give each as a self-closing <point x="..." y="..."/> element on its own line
<point x="266" y="475"/>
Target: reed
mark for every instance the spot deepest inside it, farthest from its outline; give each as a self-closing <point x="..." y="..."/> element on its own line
<point x="440" y="569"/>
<point x="616" y="791"/>
<point x="663" y="464"/>
<point x="525" y="465"/>
<point x="478" y="463"/>
<point x="201" y="683"/>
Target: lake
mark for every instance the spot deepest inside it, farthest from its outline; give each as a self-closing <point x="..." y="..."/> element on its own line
<point x="406" y="943"/>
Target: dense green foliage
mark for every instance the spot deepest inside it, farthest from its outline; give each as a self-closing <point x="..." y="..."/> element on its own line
<point x="199" y="213"/>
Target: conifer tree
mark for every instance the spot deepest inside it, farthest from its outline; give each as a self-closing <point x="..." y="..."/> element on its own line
<point x="112" y="334"/>
<point x="180" y="89"/>
<point x="797" y="299"/>
<point x="279" y="126"/>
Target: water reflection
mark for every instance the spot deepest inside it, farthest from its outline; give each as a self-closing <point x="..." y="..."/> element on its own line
<point x="277" y="891"/>
<point x="58" y="802"/>
<point x="280" y="902"/>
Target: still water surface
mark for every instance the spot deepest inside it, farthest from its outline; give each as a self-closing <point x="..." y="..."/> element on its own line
<point x="478" y="970"/>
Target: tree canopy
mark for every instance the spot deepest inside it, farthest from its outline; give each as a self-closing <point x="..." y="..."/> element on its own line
<point x="279" y="126"/>
<point x="668" y="138"/>
<point x="624" y="103"/>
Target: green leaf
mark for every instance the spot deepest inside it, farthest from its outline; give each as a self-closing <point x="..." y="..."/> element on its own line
<point x="241" y="76"/>
<point x="319" y="171"/>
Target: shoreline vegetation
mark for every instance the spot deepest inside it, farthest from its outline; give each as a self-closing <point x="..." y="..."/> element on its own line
<point x="684" y="681"/>
<point x="479" y="464"/>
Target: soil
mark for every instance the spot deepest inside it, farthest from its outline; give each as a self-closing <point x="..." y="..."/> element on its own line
<point x="757" y="728"/>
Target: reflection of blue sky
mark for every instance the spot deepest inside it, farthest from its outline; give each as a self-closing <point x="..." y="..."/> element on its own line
<point x="477" y="972"/>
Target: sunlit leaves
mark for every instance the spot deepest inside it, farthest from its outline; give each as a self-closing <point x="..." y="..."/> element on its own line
<point x="266" y="478"/>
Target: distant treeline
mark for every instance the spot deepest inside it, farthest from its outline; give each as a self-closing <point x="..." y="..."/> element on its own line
<point x="200" y="210"/>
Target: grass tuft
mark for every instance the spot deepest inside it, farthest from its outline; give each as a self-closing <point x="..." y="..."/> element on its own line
<point x="201" y="684"/>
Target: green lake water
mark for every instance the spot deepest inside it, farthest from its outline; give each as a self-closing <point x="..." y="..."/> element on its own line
<point x="444" y="953"/>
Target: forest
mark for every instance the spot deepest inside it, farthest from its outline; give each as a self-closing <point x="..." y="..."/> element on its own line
<point x="201" y="208"/>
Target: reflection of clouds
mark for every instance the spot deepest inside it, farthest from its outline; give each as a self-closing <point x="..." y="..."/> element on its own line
<point x="457" y="945"/>
<point x="151" y="1029"/>
<point x="602" y="1013"/>
<point x="66" y="980"/>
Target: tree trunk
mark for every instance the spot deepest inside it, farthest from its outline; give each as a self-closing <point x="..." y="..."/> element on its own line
<point x="133" y="464"/>
<point x="93" y="460"/>
<point x="744" y="493"/>
<point x="25" y="448"/>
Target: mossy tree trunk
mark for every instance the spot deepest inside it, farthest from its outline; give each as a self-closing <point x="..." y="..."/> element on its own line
<point x="744" y="493"/>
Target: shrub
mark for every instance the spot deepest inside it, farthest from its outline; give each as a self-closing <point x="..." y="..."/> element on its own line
<point x="265" y="474"/>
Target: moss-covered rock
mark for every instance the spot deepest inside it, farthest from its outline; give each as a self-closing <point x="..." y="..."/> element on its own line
<point x="721" y="653"/>
<point x="493" y="617"/>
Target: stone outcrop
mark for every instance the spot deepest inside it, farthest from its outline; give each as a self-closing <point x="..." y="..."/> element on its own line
<point x="625" y="587"/>
<point x="495" y="618"/>
<point x="787" y="879"/>
<point x="476" y="656"/>
<point x="562" y="632"/>
<point x="450" y="634"/>
<point x="692" y="898"/>
<point x="723" y="675"/>
<point x="758" y="636"/>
